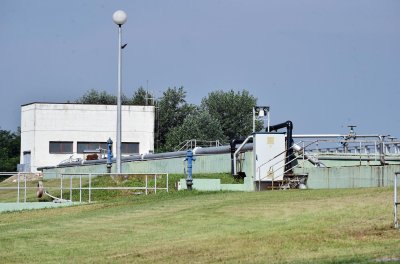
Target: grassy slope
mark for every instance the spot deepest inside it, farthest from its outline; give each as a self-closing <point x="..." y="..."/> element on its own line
<point x="323" y="226"/>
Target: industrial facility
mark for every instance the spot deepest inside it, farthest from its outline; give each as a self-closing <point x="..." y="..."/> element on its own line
<point x="275" y="158"/>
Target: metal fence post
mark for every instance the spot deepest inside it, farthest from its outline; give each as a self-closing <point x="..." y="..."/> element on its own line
<point x="395" y="202"/>
<point x="18" y="187"/>
<point x="155" y="183"/>
<point x="167" y="182"/>
<point x="146" y="185"/>
<point x="80" y="188"/>
<point x="90" y="187"/>
<point x="70" y="188"/>
<point x="61" y="186"/>
<point x="24" y="187"/>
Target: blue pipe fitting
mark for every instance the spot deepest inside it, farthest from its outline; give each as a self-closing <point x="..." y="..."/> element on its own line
<point x="189" y="177"/>
<point x="109" y="154"/>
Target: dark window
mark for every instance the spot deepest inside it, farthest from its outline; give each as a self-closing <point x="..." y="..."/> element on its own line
<point x="60" y="147"/>
<point x="90" y="146"/>
<point x="129" y="148"/>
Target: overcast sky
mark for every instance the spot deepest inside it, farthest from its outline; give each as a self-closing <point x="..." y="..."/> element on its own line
<point x="322" y="64"/>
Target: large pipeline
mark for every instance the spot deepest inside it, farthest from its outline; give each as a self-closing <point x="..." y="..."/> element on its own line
<point x="289" y="140"/>
<point x="233" y="149"/>
<point x="151" y="156"/>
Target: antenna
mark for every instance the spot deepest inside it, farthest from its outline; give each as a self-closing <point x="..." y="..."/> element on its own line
<point x="147" y="92"/>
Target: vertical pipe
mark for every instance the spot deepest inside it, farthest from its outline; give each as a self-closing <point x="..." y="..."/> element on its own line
<point x="118" y="146"/>
<point x="254" y="120"/>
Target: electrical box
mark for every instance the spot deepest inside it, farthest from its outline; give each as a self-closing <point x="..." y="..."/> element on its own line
<point x="269" y="150"/>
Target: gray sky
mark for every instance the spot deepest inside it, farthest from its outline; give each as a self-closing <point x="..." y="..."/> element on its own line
<point x="322" y="64"/>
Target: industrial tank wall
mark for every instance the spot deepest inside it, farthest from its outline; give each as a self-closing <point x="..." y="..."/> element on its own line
<point x="350" y="177"/>
<point x="218" y="163"/>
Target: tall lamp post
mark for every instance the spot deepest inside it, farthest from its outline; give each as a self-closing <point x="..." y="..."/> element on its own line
<point x="119" y="18"/>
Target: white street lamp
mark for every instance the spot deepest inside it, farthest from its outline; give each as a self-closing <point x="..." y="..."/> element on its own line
<point x="260" y="112"/>
<point x="119" y="18"/>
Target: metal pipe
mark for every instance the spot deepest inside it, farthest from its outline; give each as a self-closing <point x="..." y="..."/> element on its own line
<point x="237" y="151"/>
<point x="332" y="136"/>
<point x="289" y="138"/>
<point x="254" y="120"/>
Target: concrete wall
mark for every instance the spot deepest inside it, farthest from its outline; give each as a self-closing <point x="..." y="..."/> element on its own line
<point x="42" y="123"/>
<point x="219" y="163"/>
<point x="350" y="177"/>
<point x="318" y="178"/>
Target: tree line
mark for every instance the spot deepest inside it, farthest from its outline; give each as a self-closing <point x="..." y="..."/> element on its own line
<point x="222" y="115"/>
<point x="10" y="145"/>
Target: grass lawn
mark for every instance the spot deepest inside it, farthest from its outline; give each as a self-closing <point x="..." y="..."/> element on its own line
<point x="297" y="226"/>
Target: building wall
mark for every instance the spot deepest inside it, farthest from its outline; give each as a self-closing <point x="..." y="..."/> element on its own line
<point x="43" y="122"/>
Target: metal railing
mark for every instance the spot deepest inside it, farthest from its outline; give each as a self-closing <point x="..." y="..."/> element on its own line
<point x="316" y="150"/>
<point x="151" y="183"/>
<point x="193" y="143"/>
<point x="275" y="163"/>
<point x="21" y="179"/>
<point x="91" y="187"/>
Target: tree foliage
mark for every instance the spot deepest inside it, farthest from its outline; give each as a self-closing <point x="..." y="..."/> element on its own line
<point x="221" y="116"/>
<point x="232" y="110"/>
<point x="172" y="109"/>
<point x="140" y="97"/>
<point x="199" y="125"/>
<point x="95" y="97"/>
<point x="9" y="150"/>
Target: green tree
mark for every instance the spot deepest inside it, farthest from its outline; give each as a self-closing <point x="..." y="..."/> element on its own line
<point x="232" y="110"/>
<point x="199" y="125"/>
<point x="95" y="97"/>
<point x="141" y="97"/>
<point x="172" y="111"/>
<point x="10" y="145"/>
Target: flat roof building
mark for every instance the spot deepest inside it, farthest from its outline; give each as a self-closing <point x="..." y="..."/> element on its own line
<point x="52" y="132"/>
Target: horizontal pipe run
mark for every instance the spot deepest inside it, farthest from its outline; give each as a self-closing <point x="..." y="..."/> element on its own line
<point x="333" y="136"/>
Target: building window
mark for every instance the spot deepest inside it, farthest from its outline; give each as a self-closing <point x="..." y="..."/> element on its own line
<point x="130" y="148"/>
<point x="60" y="147"/>
<point x="84" y="147"/>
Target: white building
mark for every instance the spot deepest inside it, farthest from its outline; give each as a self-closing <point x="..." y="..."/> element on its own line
<point x="52" y="133"/>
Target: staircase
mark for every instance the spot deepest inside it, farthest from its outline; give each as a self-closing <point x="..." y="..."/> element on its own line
<point x="294" y="157"/>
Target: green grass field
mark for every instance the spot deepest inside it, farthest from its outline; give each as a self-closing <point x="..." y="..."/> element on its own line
<point x="299" y="226"/>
